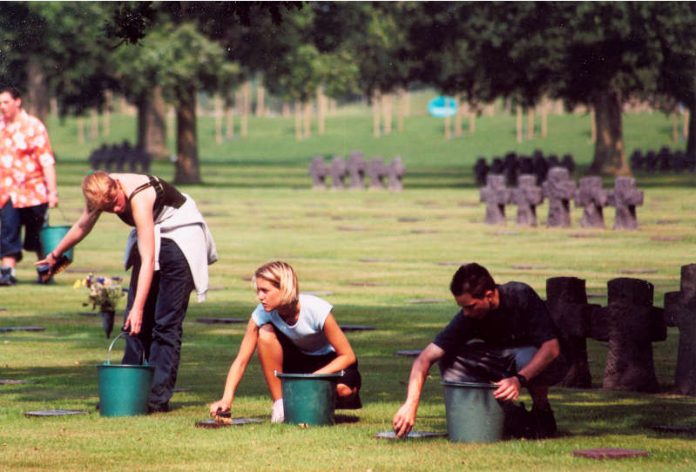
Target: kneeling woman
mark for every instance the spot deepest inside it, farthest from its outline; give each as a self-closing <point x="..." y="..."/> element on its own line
<point x="295" y="333"/>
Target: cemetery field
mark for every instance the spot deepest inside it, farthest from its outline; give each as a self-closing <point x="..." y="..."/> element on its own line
<point x="382" y="259"/>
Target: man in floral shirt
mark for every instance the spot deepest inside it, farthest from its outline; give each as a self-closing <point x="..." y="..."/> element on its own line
<point x="27" y="181"/>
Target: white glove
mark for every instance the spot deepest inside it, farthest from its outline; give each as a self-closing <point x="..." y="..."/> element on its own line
<point x="277" y="412"/>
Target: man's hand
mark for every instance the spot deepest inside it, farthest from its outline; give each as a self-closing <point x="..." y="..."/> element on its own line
<point x="508" y="389"/>
<point x="404" y="419"/>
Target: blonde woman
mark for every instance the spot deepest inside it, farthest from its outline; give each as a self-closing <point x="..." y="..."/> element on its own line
<point x="169" y="250"/>
<point x="294" y="333"/>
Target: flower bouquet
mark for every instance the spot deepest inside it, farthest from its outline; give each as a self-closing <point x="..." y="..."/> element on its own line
<point x="103" y="292"/>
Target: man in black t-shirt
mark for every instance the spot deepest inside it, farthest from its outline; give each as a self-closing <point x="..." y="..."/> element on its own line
<point x="502" y="334"/>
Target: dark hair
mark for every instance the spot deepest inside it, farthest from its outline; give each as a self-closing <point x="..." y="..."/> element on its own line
<point x="14" y="91"/>
<point x="473" y="279"/>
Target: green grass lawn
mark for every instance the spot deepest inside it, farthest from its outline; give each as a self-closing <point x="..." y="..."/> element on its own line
<point x="375" y="255"/>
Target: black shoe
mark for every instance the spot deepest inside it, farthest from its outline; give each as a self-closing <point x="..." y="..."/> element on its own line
<point x="160" y="408"/>
<point x="351" y="402"/>
<point x="6" y="277"/>
<point x="544" y="422"/>
<point x="518" y="421"/>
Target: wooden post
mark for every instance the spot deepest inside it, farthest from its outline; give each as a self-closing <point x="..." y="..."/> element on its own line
<point x="308" y="119"/>
<point x="530" y="122"/>
<point x="217" y="104"/>
<point x="387" y="113"/>
<point x="593" y="126"/>
<point x="106" y="116"/>
<point x="321" y="111"/>
<point x="544" y="118"/>
<point x="401" y="113"/>
<point x="518" y="123"/>
<point x="376" y="125"/>
<point x="458" y="116"/>
<point x="93" y="124"/>
<point x="260" y="99"/>
<point x="80" y="130"/>
<point x="229" y="116"/>
<point x="298" y="120"/>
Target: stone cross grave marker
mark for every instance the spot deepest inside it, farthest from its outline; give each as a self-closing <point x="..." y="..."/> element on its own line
<point x="338" y="172"/>
<point x="592" y="198"/>
<point x="527" y="196"/>
<point x="559" y="190"/>
<point x="319" y="171"/>
<point x="356" y="170"/>
<point x="377" y="170"/>
<point x="495" y="195"/>
<point x="680" y="309"/>
<point x="396" y="171"/>
<point x="625" y="198"/>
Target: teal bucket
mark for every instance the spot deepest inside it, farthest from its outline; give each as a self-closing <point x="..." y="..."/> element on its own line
<point x="50" y="236"/>
<point x="123" y="389"/>
<point x="473" y="414"/>
<point x="309" y="398"/>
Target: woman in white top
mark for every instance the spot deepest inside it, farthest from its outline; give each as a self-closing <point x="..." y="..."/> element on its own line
<point x="294" y="333"/>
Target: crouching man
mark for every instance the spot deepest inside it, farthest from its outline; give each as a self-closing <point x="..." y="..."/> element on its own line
<point x="502" y="334"/>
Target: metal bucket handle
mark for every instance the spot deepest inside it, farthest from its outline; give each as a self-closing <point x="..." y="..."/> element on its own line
<point x="121" y="334"/>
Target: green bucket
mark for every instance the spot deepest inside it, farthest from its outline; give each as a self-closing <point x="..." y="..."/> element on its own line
<point x="123" y="389"/>
<point x="50" y="236"/>
<point x="473" y="414"/>
<point x="309" y="398"/>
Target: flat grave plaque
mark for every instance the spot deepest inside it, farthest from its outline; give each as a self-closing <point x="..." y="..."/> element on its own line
<point x="206" y="320"/>
<point x="7" y="329"/>
<point x="409" y="352"/>
<point x="357" y="328"/>
<point x="412" y="435"/>
<point x="610" y="453"/>
<point x="46" y="413"/>
<point x="214" y="423"/>
<point x="13" y="382"/>
<point x="674" y="428"/>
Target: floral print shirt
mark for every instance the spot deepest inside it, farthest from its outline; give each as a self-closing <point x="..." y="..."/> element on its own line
<point x="24" y="152"/>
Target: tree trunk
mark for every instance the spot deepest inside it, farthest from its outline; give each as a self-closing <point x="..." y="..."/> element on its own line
<point x="458" y="116"/>
<point x="152" y="132"/>
<point x="609" y="157"/>
<point x="93" y="124"/>
<point x="37" y="97"/>
<point x="246" y="108"/>
<point x="448" y="127"/>
<point x="473" y="111"/>
<point x="593" y="126"/>
<point x="229" y="118"/>
<point x="285" y="111"/>
<point x="675" y="127"/>
<point x="685" y="125"/>
<point x="80" y="130"/>
<point x="691" y="138"/>
<point x="308" y="119"/>
<point x="187" y="165"/>
<point x="401" y="114"/>
<point x="544" y="118"/>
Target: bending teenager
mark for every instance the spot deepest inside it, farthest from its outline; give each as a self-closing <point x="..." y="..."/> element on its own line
<point x="169" y="249"/>
<point x="294" y="333"/>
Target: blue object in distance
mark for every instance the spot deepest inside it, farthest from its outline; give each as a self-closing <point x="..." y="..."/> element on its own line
<point x="442" y="107"/>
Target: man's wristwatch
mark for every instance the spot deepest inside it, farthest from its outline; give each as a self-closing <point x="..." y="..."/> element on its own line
<point x="522" y="379"/>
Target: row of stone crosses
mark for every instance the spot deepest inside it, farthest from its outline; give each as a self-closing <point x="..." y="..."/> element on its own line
<point x="120" y="157"/>
<point x="512" y="166"/>
<point x="663" y="160"/>
<point x="350" y="173"/>
<point x="629" y="324"/>
<point x="560" y="191"/>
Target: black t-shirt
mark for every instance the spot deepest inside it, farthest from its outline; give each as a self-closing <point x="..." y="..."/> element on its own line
<point x="521" y="319"/>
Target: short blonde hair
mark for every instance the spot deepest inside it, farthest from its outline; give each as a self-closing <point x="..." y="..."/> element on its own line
<point x="283" y="277"/>
<point x="99" y="189"/>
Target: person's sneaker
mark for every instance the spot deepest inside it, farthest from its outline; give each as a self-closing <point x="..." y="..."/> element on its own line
<point x="351" y="402"/>
<point x="6" y="277"/>
<point x="544" y="422"/>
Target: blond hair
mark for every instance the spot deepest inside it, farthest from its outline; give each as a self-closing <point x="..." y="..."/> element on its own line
<point x="283" y="277"/>
<point x="99" y="189"/>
